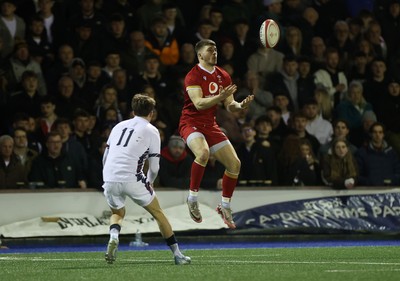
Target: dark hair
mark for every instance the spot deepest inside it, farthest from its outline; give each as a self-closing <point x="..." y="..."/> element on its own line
<point x="93" y="63"/>
<point x="61" y="121"/>
<point x="52" y="134"/>
<point x="359" y="54"/>
<point x="142" y="104"/>
<point x="289" y="58"/>
<point x="116" y="17"/>
<point x="280" y="93"/>
<point x="274" y="108"/>
<point x="298" y="115"/>
<point x="378" y="59"/>
<point x="20" y="116"/>
<point x="304" y="58"/>
<point x="28" y="74"/>
<point x="151" y="56"/>
<point x="79" y="112"/>
<point x="202" y="43"/>
<point x="376" y="124"/>
<point x="36" y="18"/>
<point x="246" y="125"/>
<point x="216" y="10"/>
<point x="47" y="99"/>
<point x="310" y="101"/>
<point x="355" y="21"/>
<point x="344" y="121"/>
<point x="331" y="50"/>
<point x="157" y="20"/>
<point x="112" y="51"/>
<point x="241" y="21"/>
<point x="261" y="119"/>
<point x="204" y="22"/>
<point x="168" y="5"/>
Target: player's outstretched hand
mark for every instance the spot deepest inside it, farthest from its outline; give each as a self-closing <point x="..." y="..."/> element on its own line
<point x="227" y="91"/>
<point x="245" y="103"/>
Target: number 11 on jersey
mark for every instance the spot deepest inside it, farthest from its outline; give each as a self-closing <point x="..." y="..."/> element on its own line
<point x="122" y="136"/>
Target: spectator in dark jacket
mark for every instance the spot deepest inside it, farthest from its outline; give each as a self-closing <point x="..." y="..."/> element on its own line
<point x="378" y="163"/>
<point x="285" y="81"/>
<point x="27" y="100"/>
<point x="12" y="172"/>
<point x="54" y="169"/>
<point x="298" y="124"/>
<point x="21" y="150"/>
<point x="95" y="174"/>
<point x="298" y="165"/>
<point x="70" y="145"/>
<point x="175" y="164"/>
<point x="389" y="114"/>
<point x="67" y="100"/>
<point x="258" y="160"/>
<point x="279" y="129"/>
<point x="36" y="38"/>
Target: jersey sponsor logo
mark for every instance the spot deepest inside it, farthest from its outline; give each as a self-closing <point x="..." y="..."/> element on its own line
<point x="213" y="87"/>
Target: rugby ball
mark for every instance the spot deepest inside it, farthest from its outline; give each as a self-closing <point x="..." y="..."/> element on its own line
<point x="269" y="33"/>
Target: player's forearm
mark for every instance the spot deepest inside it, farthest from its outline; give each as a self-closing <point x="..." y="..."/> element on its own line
<point x="234" y="106"/>
<point x="153" y="171"/>
<point x="151" y="176"/>
<point x="206" y="103"/>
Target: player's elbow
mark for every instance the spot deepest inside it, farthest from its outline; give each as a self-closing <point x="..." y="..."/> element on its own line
<point x="199" y="106"/>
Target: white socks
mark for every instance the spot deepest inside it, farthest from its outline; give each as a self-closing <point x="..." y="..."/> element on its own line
<point x="226" y="202"/>
<point x="175" y="250"/>
<point x="114" y="234"/>
<point x="193" y="196"/>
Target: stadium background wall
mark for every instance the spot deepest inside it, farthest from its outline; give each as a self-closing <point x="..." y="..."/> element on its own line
<point x="313" y="207"/>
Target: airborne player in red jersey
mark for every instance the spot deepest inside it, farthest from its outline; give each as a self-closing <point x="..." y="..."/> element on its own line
<point x="206" y="85"/>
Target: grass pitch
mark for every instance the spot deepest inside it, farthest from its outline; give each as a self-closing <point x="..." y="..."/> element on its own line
<point x="297" y="264"/>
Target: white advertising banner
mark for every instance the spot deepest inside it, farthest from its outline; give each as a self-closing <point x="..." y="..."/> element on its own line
<point x="67" y="224"/>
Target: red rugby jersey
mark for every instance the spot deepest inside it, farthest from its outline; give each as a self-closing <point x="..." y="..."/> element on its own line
<point x="210" y="83"/>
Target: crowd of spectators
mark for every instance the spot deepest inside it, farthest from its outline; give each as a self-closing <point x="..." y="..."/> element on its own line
<point x="327" y="97"/>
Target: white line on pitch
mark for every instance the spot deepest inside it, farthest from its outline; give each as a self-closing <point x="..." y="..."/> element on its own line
<point x="315" y="262"/>
<point x="214" y="261"/>
<point x="233" y="256"/>
<point x="73" y="259"/>
<point x="361" y="270"/>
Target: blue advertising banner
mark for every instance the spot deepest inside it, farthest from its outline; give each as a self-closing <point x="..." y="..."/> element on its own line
<point x="359" y="213"/>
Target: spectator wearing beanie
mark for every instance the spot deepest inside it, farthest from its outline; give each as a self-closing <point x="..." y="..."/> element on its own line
<point x="175" y="164"/>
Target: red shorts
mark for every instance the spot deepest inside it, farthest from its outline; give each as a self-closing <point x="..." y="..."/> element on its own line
<point x="213" y="134"/>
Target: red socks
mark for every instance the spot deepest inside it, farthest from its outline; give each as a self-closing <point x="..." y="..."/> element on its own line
<point x="196" y="176"/>
<point x="197" y="172"/>
<point x="228" y="185"/>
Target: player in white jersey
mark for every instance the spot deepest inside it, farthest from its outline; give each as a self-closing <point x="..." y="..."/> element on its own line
<point x="129" y="145"/>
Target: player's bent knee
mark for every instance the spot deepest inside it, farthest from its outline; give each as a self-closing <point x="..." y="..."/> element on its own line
<point x="203" y="156"/>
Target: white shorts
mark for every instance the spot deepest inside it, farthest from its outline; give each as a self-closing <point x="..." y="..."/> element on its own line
<point x="116" y="193"/>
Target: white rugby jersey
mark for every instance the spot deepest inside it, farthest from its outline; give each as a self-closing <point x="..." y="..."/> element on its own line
<point x="130" y="143"/>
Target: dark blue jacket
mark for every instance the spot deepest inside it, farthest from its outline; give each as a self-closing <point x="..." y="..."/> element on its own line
<point x="376" y="166"/>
